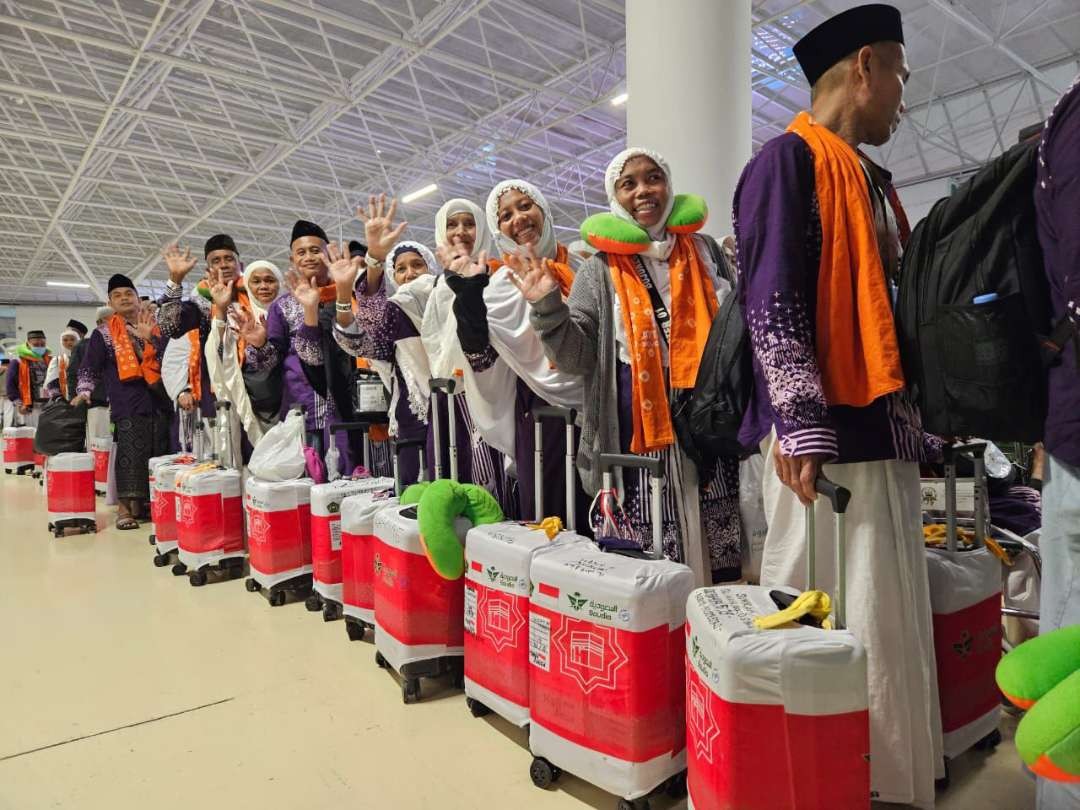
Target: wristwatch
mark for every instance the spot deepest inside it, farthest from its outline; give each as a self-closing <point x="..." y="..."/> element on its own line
<point x="374" y="263"/>
<point x="172" y="286"/>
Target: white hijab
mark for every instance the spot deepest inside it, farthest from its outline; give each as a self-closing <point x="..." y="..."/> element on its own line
<point x="546" y="246"/>
<point x="257" y="309"/>
<point x="663" y="242"/>
<point x="439" y="330"/>
<point x="458" y="205"/>
<point x="410" y="354"/>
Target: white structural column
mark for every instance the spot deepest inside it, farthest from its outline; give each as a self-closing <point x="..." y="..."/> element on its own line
<point x="688" y="77"/>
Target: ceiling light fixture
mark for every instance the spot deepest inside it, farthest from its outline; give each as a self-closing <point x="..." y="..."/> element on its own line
<point x="420" y="192"/>
<point x="76" y="284"/>
<point x="620" y="99"/>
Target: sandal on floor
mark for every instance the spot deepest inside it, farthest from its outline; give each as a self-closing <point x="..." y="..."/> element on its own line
<point x="126" y="523"/>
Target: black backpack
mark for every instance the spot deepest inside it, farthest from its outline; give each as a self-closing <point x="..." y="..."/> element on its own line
<point x="974" y="305"/>
<point x="707" y="417"/>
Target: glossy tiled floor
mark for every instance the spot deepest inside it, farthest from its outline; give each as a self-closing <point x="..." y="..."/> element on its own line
<point x="121" y="687"/>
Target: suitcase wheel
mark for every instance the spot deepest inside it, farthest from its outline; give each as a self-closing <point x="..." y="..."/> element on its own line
<point x="543" y="773"/>
<point x="251" y="586"/>
<point x="410" y="690"/>
<point x="989" y="742"/>
<point x="153" y="539"/>
<point x="477" y="708"/>
<point x="161" y="560"/>
<point x="277" y="598"/>
<point x="330" y="612"/>
<point x="179" y="569"/>
<point x="313" y="603"/>
<point x="675" y="787"/>
<point x="380" y="661"/>
<point x="197" y="579"/>
<point x="633" y="804"/>
<point x="942" y="784"/>
<point x="355" y="630"/>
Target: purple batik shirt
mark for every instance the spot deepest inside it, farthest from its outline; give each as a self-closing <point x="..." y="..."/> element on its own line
<point x="126" y="399"/>
<point x="176" y="318"/>
<point x="778" y="233"/>
<point x="1057" y="204"/>
<point x="380" y="324"/>
<point x="290" y="340"/>
<point x="38" y="370"/>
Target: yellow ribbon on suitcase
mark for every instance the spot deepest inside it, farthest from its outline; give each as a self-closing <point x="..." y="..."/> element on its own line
<point x="809" y="603"/>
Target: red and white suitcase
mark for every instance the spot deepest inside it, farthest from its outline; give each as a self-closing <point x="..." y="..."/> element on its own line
<point x="498" y="558"/>
<point x="965" y="599"/>
<point x="278" y="515"/>
<point x="18" y="450"/>
<point x="606" y="673"/>
<point x="419" y="616"/>
<point x="358" y="557"/>
<point x="326" y="539"/>
<point x="775" y="719"/>
<point x="101" y="449"/>
<point x="70" y="494"/>
<point x="210" y="523"/>
<point x="163" y="506"/>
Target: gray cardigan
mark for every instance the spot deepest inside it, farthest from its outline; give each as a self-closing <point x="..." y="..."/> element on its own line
<point x="579" y="337"/>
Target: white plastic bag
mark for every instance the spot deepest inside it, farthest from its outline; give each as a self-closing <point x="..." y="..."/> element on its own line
<point x="752" y="512"/>
<point x="279" y="455"/>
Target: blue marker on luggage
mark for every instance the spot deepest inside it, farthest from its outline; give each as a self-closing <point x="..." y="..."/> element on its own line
<point x="984" y="299"/>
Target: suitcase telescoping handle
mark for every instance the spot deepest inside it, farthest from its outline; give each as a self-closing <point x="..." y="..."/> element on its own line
<point x="449" y="385"/>
<point x="839" y="497"/>
<point x="569" y="416"/>
<point x="363" y="422"/>
<point x="977" y="452"/>
<point x="655" y="467"/>
<point x="399" y="448"/>
<point x="223" y="406"/>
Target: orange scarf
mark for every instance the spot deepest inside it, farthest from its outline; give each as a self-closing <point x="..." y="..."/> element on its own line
<point x="693" y="305"/>
<point x="194" y="365"/>
<point x="857" y="350"/>
<point x="128" y="365"/>
<point x="559" y="267"/>
<point x="62" y="365"/>
<point x="25" y="390"/>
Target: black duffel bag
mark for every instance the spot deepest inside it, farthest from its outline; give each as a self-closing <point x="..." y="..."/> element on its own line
<point x="61" y="428"/>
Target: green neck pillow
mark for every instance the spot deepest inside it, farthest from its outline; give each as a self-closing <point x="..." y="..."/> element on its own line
<point x="1043" y="676"/>
<point x="439" y="504"/>
<point x="612" y="234"/>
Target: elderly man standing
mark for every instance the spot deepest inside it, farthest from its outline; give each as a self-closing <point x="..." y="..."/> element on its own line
<point x="124" y="354"/>
<point x="819" y="238"/>
<point x="1057" y="205"/>
<point x="26" y="377"/>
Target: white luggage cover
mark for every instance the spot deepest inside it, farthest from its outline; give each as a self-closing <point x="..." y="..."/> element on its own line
<point x="326" y="501"/>
<point x="70" y="487"/>
<point x="208" y="532"/>
<point x="606" y="675"/>
<point x="418" y="614"/>
<point x="498" y="558"/>
<point x="358" y="520"/>
<point x="278" y="519"/>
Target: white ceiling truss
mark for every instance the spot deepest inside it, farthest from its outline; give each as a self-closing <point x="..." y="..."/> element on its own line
<point x="125" y="124"/>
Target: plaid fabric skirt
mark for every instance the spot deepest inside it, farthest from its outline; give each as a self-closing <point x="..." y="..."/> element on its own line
<point x="138" y="439"/>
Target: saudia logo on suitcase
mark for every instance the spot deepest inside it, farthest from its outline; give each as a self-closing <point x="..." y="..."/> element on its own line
<point x="595" y="609"/>
<point x="700" y="719"/>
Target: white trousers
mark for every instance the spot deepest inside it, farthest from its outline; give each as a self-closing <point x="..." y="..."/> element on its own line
<point x="888" y="609"/>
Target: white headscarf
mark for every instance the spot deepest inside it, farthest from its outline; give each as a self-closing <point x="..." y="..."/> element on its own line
<point x="408" y="246"/>
<point x="74" y="334"/>
<point x="458" y="205"/>
<point x="546" y="247"/>
<point x="256" y="306"/>
<point x="663" y="242"/>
